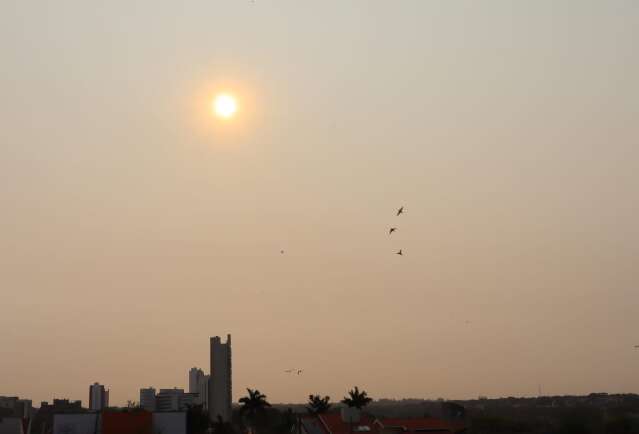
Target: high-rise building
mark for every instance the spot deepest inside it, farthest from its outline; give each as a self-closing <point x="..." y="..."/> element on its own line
<point x="148" y="399"/>
<point x="203" y="392"/>
<point x="98" y="397"/>
<point x="199" y="384"/>
<point x="195" y="376"/>
<point x="220" y="384"/>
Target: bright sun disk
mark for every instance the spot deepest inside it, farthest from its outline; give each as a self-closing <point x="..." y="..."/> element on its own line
<point x="224" y="106"/>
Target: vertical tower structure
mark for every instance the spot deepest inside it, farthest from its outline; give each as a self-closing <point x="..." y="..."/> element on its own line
<point x="220" y="386"/>
<point x="98" y="397"/>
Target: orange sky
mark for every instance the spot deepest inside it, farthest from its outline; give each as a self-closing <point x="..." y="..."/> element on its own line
<point x="134" y="225"/>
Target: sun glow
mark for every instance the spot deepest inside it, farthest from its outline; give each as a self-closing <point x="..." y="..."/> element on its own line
<point x="224" y="106"/>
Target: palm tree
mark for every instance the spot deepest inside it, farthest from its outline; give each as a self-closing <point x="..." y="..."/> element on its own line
<point x="357" y="399"/>
<point x="317" y="404"/>
<point x="253" y="406"/>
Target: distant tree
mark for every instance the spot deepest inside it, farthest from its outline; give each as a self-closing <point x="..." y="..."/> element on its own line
<point x="581" y="420"/>
<point x="288" y="422"/>
<point x="357" y="399"/>
<point x="253" y="408"/>
<point x="317" y="404"/>
<point x="197" y="421"/>
<point x="222" y="427"/>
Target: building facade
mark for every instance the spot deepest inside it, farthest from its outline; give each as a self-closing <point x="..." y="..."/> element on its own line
<point x="220" y="383"/>
<point x="195" y="376"/>
<point x="199" y="385"/>
<point x="174" y="400"/>
<point x="203" y="392"/>
<point x="98" y="397"/>
<point x="15" y="406"/>
<point x="147" y="399"/>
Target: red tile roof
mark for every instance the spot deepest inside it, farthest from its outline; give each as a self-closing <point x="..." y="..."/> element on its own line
<point x="332" y="423"/>
<point x="421" y="424"/>
<point x="335" y="424"/>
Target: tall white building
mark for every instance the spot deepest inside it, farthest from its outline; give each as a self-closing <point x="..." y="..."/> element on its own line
<point x="98" y="397"/>
<point x="195" y="376"/>
<point x="220" y="384"/>
<point x="203" y="391"/>
<point x="199" y="384"/>
<point x="147" y="399"/>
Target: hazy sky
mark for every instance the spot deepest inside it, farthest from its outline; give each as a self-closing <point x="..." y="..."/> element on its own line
<point x="134" y="225"/>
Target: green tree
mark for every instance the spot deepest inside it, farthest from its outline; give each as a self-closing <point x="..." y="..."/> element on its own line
<point x="357" y="399"/>
<point x="317" y="404"/>
<point x="253" y="408"/>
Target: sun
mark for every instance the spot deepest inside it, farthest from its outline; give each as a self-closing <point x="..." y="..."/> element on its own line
<point x="224" y="106"/>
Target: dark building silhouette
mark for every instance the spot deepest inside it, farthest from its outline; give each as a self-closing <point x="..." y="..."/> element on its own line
<point x="220" y="387"/>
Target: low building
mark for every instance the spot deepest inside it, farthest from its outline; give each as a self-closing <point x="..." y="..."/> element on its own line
<point x="8" y="402"/>
<point x="169" y="423"/>
<point x="148" y="399"/>
<point x="134" y="422"/>
<point x="114" y="422"/>
<point x="76" y="423"/>
<point x="61" y="406"/>
<point x="174" y="400"/>
<point x="13" y="425"/>
<point x="14" y="406"/>
<point x="43" y="420"/>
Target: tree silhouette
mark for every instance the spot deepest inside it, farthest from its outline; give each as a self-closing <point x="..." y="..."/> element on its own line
<point x="253" y="406"/>
<point x="288" y="422"/>
<point x="317" y="404"/>
<point x="197" y="421"/>
<point x="357" y="399"/>
<point x="222" y="427"/>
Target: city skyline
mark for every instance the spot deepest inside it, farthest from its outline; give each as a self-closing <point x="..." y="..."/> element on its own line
<point x="169" y="172"/>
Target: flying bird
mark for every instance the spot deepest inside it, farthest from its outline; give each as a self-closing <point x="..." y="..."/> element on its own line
<point x="282" y="252"/>
<point x="636" y="346"/>
<point x="391" y="230"/>
<point x="400" y="211"/>
<point x="399" y="253"/>
<point x="299" y="371"/>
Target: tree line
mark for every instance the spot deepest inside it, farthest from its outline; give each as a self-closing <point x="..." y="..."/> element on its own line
<point x="257" y="416"/>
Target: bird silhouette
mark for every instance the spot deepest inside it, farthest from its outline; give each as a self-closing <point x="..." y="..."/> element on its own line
<point x="282" y="252"/>
<point x="399" y="253"/>
<point x="400" y="211"/>
<point x="299" y="371"/>
<point x="636" y="346"/>
<point x="391" y="230"/>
